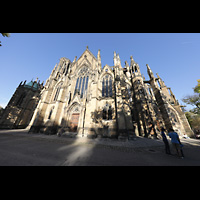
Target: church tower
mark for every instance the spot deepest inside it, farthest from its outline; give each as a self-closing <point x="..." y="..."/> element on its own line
<point x="172" y="114"/>
<point x="21" y="106"/>
<point x="142" y="108"/>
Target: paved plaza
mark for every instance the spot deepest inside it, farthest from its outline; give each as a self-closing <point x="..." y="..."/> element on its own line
<point x="20" y="148"/>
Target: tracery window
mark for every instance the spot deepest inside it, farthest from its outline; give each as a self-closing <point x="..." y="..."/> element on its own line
<point x="107" y="86"/>
<point x="82" y="82"/>
<point x="57" y="92"/>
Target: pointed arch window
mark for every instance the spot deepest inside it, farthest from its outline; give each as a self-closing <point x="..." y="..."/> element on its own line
<point x="110" y="87"/>
<point x="82" y="83"/>
<point x="82" y="89"/>
<point x="76" y="88"/>
<point x="57" y="92"/>
<point x="107" y="86"/>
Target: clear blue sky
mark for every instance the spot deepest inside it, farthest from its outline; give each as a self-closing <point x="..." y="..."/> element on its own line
<point x="174" y="56"/>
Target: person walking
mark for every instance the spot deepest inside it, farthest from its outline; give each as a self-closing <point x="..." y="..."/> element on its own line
<point x="176" y="142"/>
<point x="167" y="148"/>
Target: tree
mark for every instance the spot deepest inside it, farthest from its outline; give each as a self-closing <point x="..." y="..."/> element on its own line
<point x="194" y="120"/>
<point x="193" y="115"/>
<point x="194" y="99"/>
<point x="4" y="35"/>
<point x="197" y="88"/>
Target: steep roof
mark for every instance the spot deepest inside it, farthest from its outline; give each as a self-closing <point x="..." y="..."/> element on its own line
<point x="32" y="84"/>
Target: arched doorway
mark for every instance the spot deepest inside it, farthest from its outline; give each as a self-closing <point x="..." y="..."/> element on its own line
<point x="74" y="122"/>
<point x="73" y="117"/>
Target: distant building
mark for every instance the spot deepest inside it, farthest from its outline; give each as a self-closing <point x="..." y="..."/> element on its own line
<point x="21" y="106"/>
<point x="83" y="98"/>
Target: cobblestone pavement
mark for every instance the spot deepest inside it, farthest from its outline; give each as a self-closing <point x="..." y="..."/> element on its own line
<point x="18" y="147"/>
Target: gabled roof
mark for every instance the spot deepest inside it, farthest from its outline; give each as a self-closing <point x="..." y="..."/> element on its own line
<point x="87" y="50"/>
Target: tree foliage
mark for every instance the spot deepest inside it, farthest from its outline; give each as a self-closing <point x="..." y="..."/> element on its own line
<point x="194" y="99"/>
<point x="193" y="115"/>
<point x="194" y="120"/>
<point x="197" y="88"/>
<point x="4" y="35"/>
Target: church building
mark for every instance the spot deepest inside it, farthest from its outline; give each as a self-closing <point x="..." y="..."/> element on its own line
<point x="85" y="99"/>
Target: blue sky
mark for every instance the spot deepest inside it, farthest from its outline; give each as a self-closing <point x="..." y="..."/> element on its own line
<point x="174" y="56"/>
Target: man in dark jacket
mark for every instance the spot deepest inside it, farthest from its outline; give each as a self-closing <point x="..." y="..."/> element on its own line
<point x="167" y="148"/>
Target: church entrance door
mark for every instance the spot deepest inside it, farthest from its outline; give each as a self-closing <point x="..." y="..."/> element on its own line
<point x="74" y="122"/>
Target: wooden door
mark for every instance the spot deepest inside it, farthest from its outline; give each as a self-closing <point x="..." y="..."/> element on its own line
<point x="74" y="122"/>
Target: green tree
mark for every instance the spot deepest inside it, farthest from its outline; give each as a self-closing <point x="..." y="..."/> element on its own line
<point x="197" y="88"/>
<point x="193" y="115"/>
<point x="4" y="35"/>
<point x="194" y="99"/>
<point x="194" y="120"/>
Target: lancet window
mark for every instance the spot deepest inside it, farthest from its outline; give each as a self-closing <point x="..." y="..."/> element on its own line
<point x="57" y="92"/>
<point x="50" y="113"/>
<point x="107" y="86"/>
<point x="82" y="82"/>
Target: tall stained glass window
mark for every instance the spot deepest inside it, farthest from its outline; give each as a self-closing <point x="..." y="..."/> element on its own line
<point x="107" y="86"/>
<point x="82" y="83"/>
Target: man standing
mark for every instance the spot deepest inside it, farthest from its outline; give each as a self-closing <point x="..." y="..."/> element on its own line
<point x="167" y="148"/>
<point x="176" y="142"/>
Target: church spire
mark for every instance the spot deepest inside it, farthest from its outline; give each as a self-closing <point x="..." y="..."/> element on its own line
<point x="132" y="61"/>
<point x="99" y="59"/>
<point x="161" y="82"/>
<point x="134" y="67"/>
<point x="150" y="73"/>
<point x="117" y="60"/>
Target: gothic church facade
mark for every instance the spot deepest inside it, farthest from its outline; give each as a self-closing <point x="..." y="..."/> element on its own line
<point x="84" y="99"/>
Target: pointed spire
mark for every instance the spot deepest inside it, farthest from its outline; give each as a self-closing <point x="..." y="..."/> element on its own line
<point x="98" y="55"/>
<point x="132" y="61"/>
<point x="150" y="73"/>
<point x="74" y="59"/>
<point x="20" y="83"/>
<point x="115" y="59"/>
<point x="54" y="67"/>
<point x="161" y="82"/>
<point x="118" y="60"/>
<point x="127" y="66"/>
<point x="99" y="58"/>
<point x="173" y="97"/>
